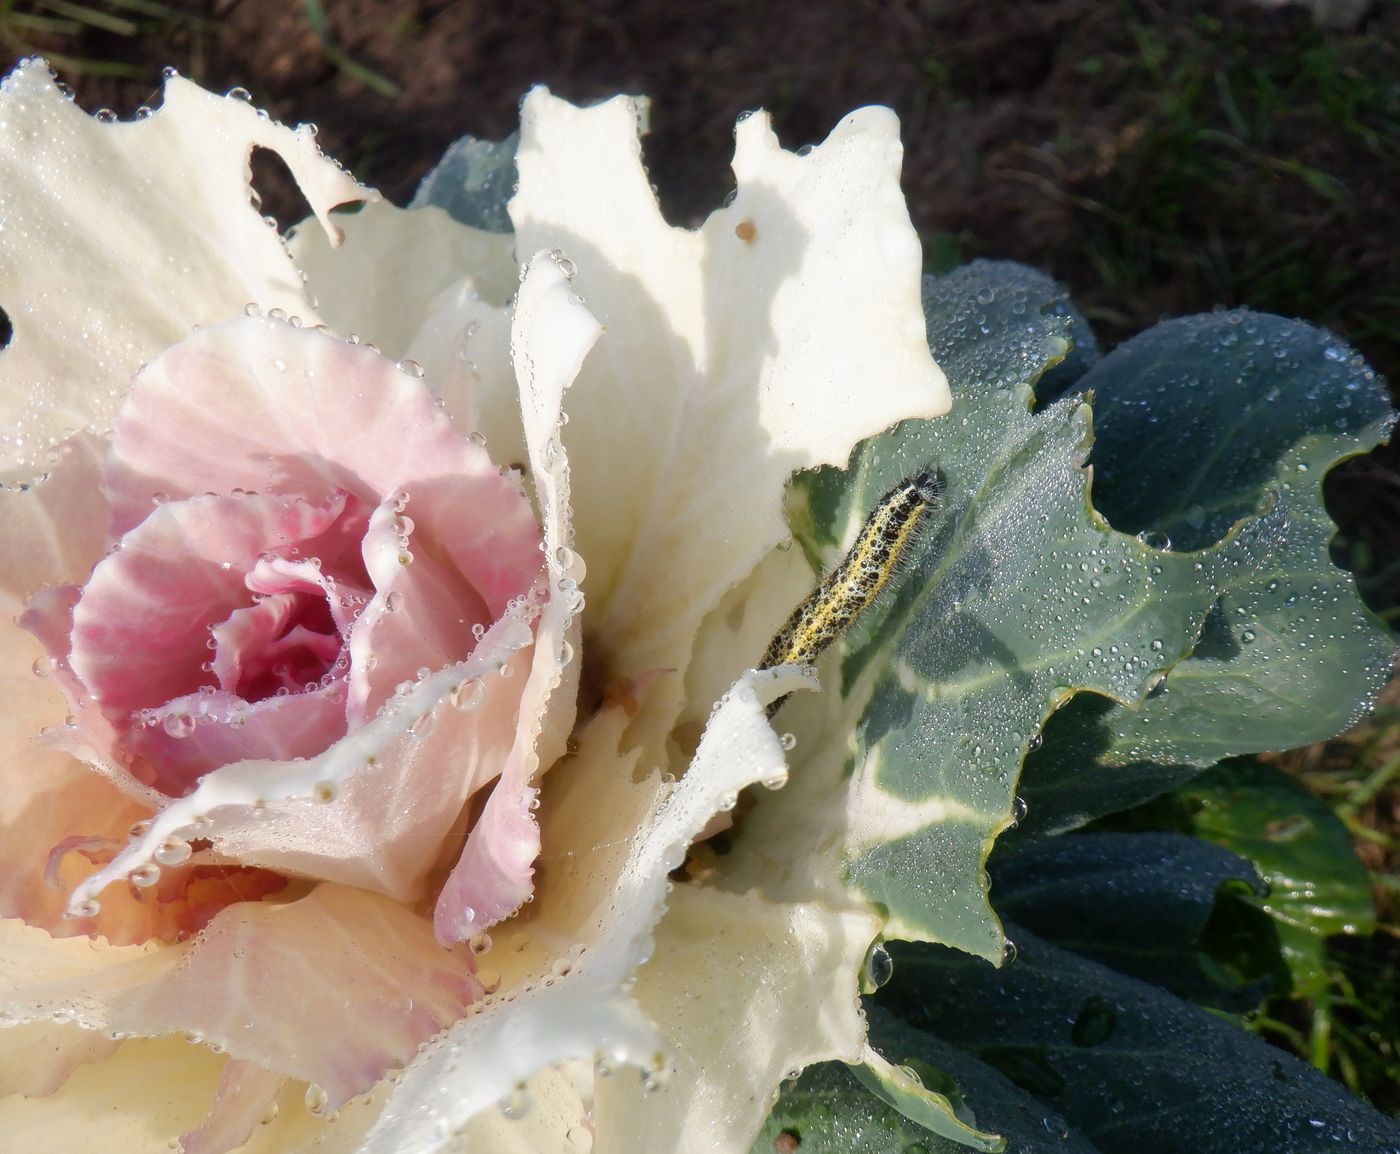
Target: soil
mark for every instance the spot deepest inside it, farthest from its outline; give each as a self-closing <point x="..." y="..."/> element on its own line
<point x="1035" y="131"/>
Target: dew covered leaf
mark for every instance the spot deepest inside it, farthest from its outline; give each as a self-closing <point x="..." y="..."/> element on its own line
<point x="1316" y="887"/>
<point x="473" y="182"/>
<point x="826" y="1111"/>
<point x="1196" y="421"/>
<point x="1118" y="1060"/>
<point x="1139" y="902"/>
<point x="1017" y="595"/>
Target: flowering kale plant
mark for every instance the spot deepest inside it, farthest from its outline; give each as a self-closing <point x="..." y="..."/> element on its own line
<point x="384" y="691"/>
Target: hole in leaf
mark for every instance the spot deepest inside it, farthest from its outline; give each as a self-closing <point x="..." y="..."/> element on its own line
<point x="7" y="330"/>
<point x="275" y="192"/>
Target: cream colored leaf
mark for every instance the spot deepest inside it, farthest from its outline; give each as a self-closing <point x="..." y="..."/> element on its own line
<point x="566" y="962"/>
<point x="752" y="991"/>
<point x="116" y="239"/>
<point x="150" y="1092"/>
<point x="423" y="287"/>
<point x="774" y="338"/>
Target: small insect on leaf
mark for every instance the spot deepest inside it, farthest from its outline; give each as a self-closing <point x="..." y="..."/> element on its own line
<point x="850" y="589"/>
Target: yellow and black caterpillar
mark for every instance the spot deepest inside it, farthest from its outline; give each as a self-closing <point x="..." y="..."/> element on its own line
<point x="884" y="539"/>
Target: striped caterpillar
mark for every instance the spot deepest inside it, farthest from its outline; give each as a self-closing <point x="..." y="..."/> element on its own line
<point x="831" y="608"/>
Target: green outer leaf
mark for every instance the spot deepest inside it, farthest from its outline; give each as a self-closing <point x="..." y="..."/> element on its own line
<point x="829" y="1112"/>
<point x="1017" y="596"/>
<point x="1128" y="1066"/>
<point x="981" y="1093"/>
<point x="901" y="1088"/>
<point x="1138" y="902"/>
<point x="1316" y="885"/>
<point x="473" y="182"/>
<point x="1197" y="418"/>
<point x="826" y="1111"/>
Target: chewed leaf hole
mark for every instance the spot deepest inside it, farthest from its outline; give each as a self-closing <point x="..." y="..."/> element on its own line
<point x="275" y="192"/>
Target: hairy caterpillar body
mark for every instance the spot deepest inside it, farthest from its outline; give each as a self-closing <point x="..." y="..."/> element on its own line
<point x="883" y="541"/>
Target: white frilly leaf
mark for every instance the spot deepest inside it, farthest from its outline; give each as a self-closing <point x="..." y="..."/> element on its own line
<point x="118" y="238"/>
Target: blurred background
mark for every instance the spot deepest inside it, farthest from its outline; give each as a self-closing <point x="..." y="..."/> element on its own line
<point x="1161" y="157"/>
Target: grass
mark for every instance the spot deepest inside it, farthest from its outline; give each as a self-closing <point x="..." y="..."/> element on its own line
<point x="1237" y="181"/>
<point x="48" y="27"/>
<point x="1352" y="1030"/>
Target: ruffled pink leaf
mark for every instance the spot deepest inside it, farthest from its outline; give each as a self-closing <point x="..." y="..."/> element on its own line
<point x="38" y="1057"/>
<point x="495" y="873"/>
<point x="44" y="799"/>
<point x="54" y="532"/>
<point x="424" y="614"/>
<point x="345" y="592"/>
<point x="244" y="1094"/>
<point x="193" y="735"/>
<point x="378" y="808"/>
<point x="335" y="988"/>
<point x="256" y="404"/>
<point x="141" y="627"/>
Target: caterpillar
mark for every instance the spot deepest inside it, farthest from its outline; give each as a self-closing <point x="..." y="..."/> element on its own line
<point x="883" y="541"/>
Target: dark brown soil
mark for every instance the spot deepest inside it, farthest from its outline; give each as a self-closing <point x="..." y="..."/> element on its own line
<point x="1161" y="158"/>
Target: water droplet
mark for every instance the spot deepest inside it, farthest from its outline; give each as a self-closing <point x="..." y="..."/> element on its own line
<point x="178" y="725"/>
<point x="324" y="791"/>
<point x="1094" y="1023"/>
<point x="44" y="666"/>
<point x="411" y="367"/>
<point x="565" y="265"/>
<point x="172" y="851"/>
<point x="879" y="967"/>
<point x="1248" y="637"/>
<point x="316" y="1099"/>
<point x="467" y="695"/>
<point x="788" y="741"/>
<point x="1008" y="952"/>
<point x="516" y="1104"/>
<point x="145" y="876"/>
<point x="86" y="909"/>
<point x="657" y="1075"/>
<point x="480" y="943"/>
